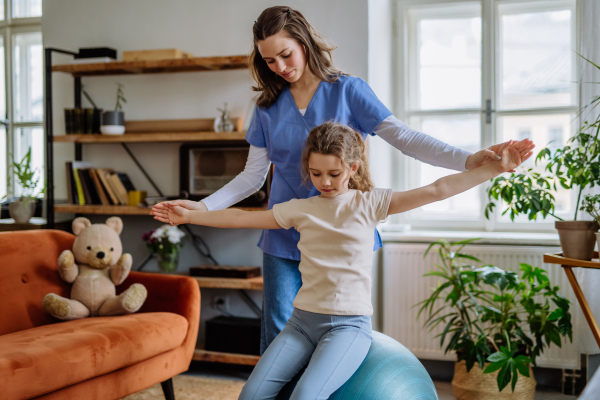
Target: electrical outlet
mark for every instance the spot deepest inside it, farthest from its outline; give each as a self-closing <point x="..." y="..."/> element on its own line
<point x="220" y="303"/>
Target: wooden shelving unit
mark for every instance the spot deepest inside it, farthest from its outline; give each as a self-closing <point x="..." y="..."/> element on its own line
<point x="230" y="283"/>
<point x="118" y="210"/>
<point x="227" y="358"/>
<point x="153" y="137"/>
<point x="155" y="67"/>
<point x="227" y="283"/>
<point x="139" y="135"/>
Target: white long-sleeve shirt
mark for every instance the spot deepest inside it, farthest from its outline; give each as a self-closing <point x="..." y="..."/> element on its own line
<point x="409" y="141"/>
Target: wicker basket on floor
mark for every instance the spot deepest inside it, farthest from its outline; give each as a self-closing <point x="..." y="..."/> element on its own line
<point x="475" y="385"/>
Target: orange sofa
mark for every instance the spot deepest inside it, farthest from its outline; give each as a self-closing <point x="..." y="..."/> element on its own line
<point x="92" y="358"/>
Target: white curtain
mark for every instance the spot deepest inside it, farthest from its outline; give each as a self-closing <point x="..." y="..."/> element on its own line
<point x="589" y="279"/>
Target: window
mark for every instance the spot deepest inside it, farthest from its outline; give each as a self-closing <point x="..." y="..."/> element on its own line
<point x="21" y="88"/>
<point x="475" y="73"/>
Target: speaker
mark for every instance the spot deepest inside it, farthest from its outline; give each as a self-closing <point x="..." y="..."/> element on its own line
<point x="233" y="335"/>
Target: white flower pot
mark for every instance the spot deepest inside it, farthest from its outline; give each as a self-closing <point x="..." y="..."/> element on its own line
<point x="21" y="211"/>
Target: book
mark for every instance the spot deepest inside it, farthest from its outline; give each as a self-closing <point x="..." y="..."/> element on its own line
<point x="98" y="185"/>
<point x="88" y="119"/>
<point x="80" y="196"/>
<point x="125" y="181"/>
<point x="120" y="190"/>
<point x="75" y="165"/>
<point x="83" y="178"/>
<point x="71" y="189"/>
<point x="78" y="126"/>
<point x="69" y="120"/>
<point x="89" y="181"/>
<point x="102" y="175"/>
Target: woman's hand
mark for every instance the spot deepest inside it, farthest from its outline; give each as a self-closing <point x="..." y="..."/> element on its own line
<point x="490" y="154"/>
<point x="177" y="215"/>
<point x="160" y="211"/>
<point x="511" y="156"/>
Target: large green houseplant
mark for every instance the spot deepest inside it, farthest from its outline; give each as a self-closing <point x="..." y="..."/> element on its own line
<point x="22" y="208"/>
<point x="574" y="166"/>
<point x="496" y="320"/>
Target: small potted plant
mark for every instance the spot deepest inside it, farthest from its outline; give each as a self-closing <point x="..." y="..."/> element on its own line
<point x="591" y="205"/>
<point x="496" y="321"/>
<point x="113" y="122"/>
<point x="573" y="166"/>
<point x="165" y="242"/>
<point x="23" y="207"/>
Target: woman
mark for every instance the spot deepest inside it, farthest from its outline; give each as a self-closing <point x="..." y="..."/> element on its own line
<point x="300" y="89"/>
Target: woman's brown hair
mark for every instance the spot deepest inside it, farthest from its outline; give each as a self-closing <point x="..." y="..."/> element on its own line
<point x="342" y="141"/>
<point x="318" y="53"/>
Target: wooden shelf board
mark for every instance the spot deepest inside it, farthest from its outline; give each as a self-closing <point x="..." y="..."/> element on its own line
<point x="151" y="137"/>
<point x="98" y="209"/>
<point x="558" y="258"/>
<point x="196" y="64"/>
<point x="118" y="210"/>
<point x="9" y="224"/>
<point x="230" y="283"/>
<point x="227" y="358"/>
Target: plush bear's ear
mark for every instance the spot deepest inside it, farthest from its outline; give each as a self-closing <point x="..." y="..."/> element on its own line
<point x="80" y="224"/>
<point x="116" y="223"/>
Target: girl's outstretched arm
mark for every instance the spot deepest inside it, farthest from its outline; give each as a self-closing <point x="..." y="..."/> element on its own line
<point x="451" y="185"/>
<point x="229" y="218"/>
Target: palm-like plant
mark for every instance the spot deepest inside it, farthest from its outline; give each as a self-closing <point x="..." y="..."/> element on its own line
<point x="494" y="316"/>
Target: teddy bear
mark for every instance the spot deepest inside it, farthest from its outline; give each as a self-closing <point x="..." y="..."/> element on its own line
<point x="95" y="266"/>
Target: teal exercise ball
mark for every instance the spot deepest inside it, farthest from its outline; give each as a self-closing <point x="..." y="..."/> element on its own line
<point x="390" y="371"/>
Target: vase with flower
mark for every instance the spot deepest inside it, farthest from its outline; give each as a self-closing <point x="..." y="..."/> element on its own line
<point x="165" y="242"/>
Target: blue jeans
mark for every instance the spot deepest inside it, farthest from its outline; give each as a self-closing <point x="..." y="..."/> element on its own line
<point x="333" y="346"/>
<point x="282" y="281"/>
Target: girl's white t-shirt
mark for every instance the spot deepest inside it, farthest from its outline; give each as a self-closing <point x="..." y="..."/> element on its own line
<point x="336" y="246"/>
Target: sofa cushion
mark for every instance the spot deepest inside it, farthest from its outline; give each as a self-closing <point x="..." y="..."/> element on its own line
<point x="46" y="358"/>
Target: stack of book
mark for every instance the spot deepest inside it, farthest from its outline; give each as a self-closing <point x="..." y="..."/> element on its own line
<point x="82" y="120"/>
<point x="101" y="186"/>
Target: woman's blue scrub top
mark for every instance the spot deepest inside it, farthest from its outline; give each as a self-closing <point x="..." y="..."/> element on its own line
<point x="283" y="130"/>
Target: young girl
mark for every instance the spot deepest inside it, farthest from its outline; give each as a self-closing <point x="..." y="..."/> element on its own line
<point x="300" y="88"/>
<point x="330" y="327"/>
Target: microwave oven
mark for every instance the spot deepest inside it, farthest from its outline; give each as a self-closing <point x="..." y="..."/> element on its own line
<point x="205" y="168"/>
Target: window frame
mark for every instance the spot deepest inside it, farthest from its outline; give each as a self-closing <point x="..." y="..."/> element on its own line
<point x="9" y="28"/>
<point x="490" y="42"/>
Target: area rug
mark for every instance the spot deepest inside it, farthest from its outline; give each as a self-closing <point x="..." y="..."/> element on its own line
<point x="194" y="388"/>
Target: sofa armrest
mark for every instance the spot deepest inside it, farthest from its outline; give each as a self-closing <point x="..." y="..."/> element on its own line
<point x="170" y="293"/>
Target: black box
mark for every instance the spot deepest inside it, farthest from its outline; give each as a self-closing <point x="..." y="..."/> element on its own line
<point x="233" y="335"/>
<point x="93" y="52"/>
<point x="213" y="271"/>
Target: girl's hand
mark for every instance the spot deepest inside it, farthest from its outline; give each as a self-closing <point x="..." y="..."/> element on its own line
<point x="160" y="210"/>
<point x="490" y="154"/>
<point x="177" y="214"/>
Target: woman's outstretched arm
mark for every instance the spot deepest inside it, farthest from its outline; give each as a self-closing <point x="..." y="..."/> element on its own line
<point x="451" y="185"/>
<point x="230" y="218"/>
<point x="432" y="151"/>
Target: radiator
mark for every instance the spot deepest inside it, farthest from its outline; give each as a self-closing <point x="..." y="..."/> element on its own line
<point x="404" y="286"/>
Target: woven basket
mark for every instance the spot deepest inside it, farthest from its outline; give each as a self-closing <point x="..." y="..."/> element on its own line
<point x="475" y="385"/>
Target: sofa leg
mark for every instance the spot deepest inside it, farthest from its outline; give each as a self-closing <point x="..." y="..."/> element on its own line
<point x="167" y="387"/>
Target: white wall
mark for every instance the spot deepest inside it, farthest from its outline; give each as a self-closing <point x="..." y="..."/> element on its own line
<point x="203" y="28"/>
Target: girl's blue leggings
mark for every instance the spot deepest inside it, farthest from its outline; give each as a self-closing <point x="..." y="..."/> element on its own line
<point x="333" y="346"/>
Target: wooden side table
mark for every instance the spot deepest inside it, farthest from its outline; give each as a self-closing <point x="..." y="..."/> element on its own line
<point x="568" y="264"/>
